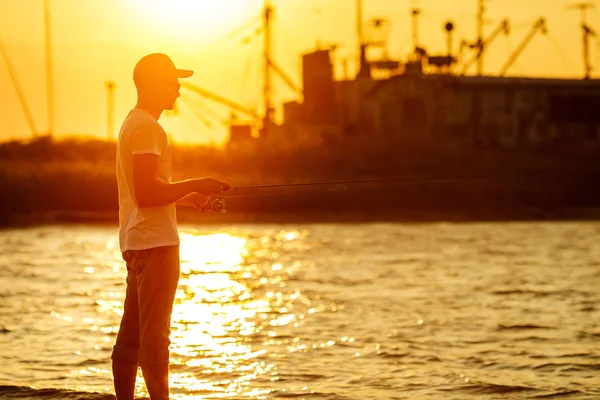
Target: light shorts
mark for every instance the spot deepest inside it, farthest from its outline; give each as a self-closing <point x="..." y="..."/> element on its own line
<point x="152" y="278"/>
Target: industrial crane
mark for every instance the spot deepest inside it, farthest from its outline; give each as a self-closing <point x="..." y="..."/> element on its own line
<point x="540" y="25"/>
<point x="269" y="66"/>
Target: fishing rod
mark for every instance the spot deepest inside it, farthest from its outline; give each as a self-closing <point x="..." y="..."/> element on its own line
<point x="397" y="181"/>
<point x="217" y="204"/>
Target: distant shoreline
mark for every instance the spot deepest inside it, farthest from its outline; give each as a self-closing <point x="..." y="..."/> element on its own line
<point x="368" y="216"/>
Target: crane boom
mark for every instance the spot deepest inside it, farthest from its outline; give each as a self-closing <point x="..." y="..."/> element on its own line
<point x="221" y="100"/>
<point x="540" y="25"/>
<point x="503" y="27"/>
<point x="285" y="78"/>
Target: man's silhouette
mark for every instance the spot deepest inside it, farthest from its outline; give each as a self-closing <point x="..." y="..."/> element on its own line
<point x="148" y="233"/>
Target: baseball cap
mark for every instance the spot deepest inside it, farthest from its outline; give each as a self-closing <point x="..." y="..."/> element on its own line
<point x="158" y="65"/>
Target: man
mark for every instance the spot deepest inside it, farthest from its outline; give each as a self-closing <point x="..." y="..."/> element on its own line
<point x="148" y="233"/>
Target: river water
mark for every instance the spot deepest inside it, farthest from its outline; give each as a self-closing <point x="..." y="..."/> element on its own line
<point x="322" y="311"/>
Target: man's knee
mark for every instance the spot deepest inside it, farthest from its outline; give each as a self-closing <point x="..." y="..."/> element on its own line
<point x="153" y="357"/>
<point x="125" y="354"/>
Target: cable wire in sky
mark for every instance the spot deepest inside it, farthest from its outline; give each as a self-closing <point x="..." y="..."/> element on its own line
<point x="560" y="53"/>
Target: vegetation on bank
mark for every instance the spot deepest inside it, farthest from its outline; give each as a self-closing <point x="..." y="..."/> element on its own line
<point x="77" y="176"/>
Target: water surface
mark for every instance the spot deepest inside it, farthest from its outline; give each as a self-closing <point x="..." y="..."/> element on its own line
<point x="368" y="311"/>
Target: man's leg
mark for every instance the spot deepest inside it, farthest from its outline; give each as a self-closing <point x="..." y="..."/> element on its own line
<point x="124" y="375"/>
<point x="157" y="381"/>
<point x="157" y="285"/>
<point x="126" y="350"/>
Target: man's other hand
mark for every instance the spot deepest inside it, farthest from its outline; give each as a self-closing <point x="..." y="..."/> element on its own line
<point x="210" y="186"/>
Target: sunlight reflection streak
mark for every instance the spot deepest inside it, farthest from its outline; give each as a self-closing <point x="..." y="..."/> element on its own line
<point x="223" y="305"/>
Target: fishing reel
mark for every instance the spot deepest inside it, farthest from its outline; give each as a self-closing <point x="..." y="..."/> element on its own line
<point x="214" y="205"/>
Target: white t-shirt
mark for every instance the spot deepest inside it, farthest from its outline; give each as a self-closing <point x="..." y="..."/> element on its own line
<point x="148" y="227"/>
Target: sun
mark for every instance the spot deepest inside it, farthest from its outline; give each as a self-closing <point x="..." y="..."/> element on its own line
<point x="187" y="17"/>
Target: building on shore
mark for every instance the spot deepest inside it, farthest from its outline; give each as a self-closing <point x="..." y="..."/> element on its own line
<point x="420" y="108"/>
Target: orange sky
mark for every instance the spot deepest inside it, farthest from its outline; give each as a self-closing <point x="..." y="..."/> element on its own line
<point x="99" y="40"/>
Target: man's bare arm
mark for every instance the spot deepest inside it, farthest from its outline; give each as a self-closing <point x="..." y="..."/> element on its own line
<point x="150" y="192"/>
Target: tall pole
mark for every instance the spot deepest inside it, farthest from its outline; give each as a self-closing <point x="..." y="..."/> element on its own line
<point x="359" y="23"/>
<point x="360" y="36"/>
<point x="449" y="28"/>
<point x="586" y="51"/>
<point x="49" y="71"/>
<point x="110" y="110"/>
<point x="415" y="12"/>
<point x="479" y="45"/>
<point x="267" y="90"/>
<point x="587" y="32"/>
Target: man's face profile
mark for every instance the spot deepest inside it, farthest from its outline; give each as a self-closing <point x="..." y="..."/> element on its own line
<point x="163" y="91"/>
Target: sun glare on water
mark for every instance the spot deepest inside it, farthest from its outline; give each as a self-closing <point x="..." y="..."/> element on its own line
<point x="232" y="291"/>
